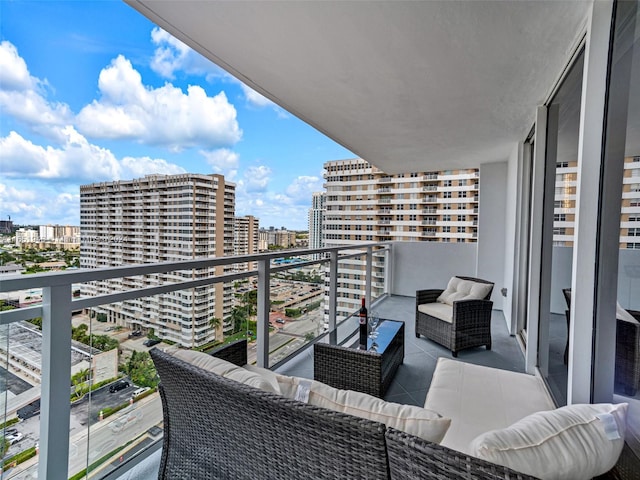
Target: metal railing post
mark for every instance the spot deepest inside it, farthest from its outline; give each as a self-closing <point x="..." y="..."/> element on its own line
<point x="368" y="276"/>
<point x="264" y="274"/>
<point x="333" y="294"/>
<point x="55" y="403"/>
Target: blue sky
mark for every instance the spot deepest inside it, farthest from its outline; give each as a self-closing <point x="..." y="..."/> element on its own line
<point x="92" y="91"/>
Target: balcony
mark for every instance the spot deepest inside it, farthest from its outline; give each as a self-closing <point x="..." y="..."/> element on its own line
<point x="68" y="445"/>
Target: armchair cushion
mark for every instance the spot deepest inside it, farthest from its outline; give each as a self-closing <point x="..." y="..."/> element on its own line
<point x="438" y="310"/>
<point x="577" y="441"/>
<point x="459" y="289"/>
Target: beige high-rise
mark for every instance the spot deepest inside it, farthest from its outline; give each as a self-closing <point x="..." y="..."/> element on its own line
<point x="364" y="204"/>
<point x="161" y="218"/>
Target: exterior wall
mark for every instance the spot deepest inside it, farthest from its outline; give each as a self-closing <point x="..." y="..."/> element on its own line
<point x="492" y="230"/>
<point x="161" y="218"/>
<point x="420" y="266"/>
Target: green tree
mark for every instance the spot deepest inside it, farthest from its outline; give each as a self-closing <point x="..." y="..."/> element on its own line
<point x="78" y="379"/>
<point x="141" y="370"/>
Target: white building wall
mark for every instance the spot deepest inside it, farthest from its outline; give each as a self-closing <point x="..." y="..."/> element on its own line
<point x="492" y="229"/>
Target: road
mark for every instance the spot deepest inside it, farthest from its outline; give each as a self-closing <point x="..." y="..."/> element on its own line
<point x="114" y="431"/>
<point x="290" y="337"/>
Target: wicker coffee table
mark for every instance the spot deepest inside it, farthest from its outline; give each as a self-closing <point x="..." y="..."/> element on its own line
<point x="369" y="371"/>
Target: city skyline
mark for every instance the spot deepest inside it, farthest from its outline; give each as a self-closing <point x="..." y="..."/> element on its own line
<point x="94" y="92"/>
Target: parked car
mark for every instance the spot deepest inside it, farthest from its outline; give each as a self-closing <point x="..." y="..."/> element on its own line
<point x="135" y="333"/>
<point x="10" y="431"/>
<point x="279" y="320"/>
<point x="119" y="385"/>
<point x="14" y="438"/>
<point x="151" y="342"/>
<point x="139" y="391"/>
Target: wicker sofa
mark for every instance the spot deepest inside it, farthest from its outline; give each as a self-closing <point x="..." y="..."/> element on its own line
<point x="215" y="427"/>
<point x="455" y="324"/>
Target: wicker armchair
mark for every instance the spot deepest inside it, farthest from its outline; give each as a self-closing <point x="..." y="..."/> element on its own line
<point x="471" y="321"/>
<point x="627" y="374"/>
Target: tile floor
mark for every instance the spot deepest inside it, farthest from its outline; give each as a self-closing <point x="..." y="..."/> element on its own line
<point x="413" y="377"/>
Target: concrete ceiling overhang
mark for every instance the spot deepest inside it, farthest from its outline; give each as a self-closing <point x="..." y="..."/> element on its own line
<point x="408" y="86"/>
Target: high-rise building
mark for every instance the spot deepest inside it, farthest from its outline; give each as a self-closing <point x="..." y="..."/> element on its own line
<point x="26" y="235"/>
<point x="630" y="220"/>
<point x="161" y="218"/>
<point x="565" y="204"/>
<point x="364" y="204"/>
<point x="245" y="240"/>
<point x="316" y="217"/>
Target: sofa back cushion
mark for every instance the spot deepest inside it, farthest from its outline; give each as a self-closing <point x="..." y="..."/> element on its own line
<point x="417" y="421"/>
<point x="460" y="289"/>
<point x="577" y="441"/>
<point x="227" y="369"/>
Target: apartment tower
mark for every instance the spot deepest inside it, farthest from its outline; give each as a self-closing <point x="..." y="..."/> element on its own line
<point x="161" y="218"/>
<point x="245" y="240"/>
<point x="316" y="218"/>
<point x="364" y="204"/>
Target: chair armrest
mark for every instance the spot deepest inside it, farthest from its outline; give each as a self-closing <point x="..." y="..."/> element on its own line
<point x="470" y="312"/>
<point x="235" y="352"/>
<point x="427" y="296"/>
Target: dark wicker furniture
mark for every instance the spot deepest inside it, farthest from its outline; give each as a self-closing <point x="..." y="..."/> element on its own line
<point x="411" y="458"/>
<point x="627" y="373"/>
<point x="368" y="371"/>
<point x="471" y="321"/>
<point x="217" y="428"/>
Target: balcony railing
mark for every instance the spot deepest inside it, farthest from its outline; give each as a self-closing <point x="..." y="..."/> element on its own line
<point x="98" y="439"/>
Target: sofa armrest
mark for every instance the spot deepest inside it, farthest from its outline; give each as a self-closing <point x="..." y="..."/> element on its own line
<point x="411" y="457"/>
<point x="427" y="296"/>
<point x="235" y="352"/>
<point x="470" y="312"/>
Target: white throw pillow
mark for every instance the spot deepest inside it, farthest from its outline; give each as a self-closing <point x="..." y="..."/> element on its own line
<point x="227" y="369"/>
<point x="417" y="421"/>
<point x="622" y="314"/>
<point x="574" y="442"/>
<point x="459" y="289"/>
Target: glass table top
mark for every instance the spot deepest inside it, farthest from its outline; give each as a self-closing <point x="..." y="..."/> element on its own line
<point x="386" y="329"/>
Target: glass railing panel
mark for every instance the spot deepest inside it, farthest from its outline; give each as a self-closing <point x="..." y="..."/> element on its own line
<point x="115" y="408"/>
<point x="20" y="350"/>
<point x="297" y="315"/>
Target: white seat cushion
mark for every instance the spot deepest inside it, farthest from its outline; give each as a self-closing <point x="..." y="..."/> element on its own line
<point x="577" y="441"/>
<point x="478" y="399"/>
<point x="459" y="289"/>
<point x="439" y="310"/>
<point x="417" y="421"/>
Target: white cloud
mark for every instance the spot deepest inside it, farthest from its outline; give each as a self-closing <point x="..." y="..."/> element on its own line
<point x="162" y="116"/>
<point x="255" y="179"/>
<point x="139" y="167"/>
<point x="36" y="203"/>
<point x="223" y="161"/>
<point x="22" y="96"/>
<point x="254" y="98"/>
<point x="172" y="55"/>
<point x="302" y="187"/>
<point x="76" y="159"/>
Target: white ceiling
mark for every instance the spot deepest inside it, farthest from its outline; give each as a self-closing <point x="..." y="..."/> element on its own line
<point x="408" y="86"/>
